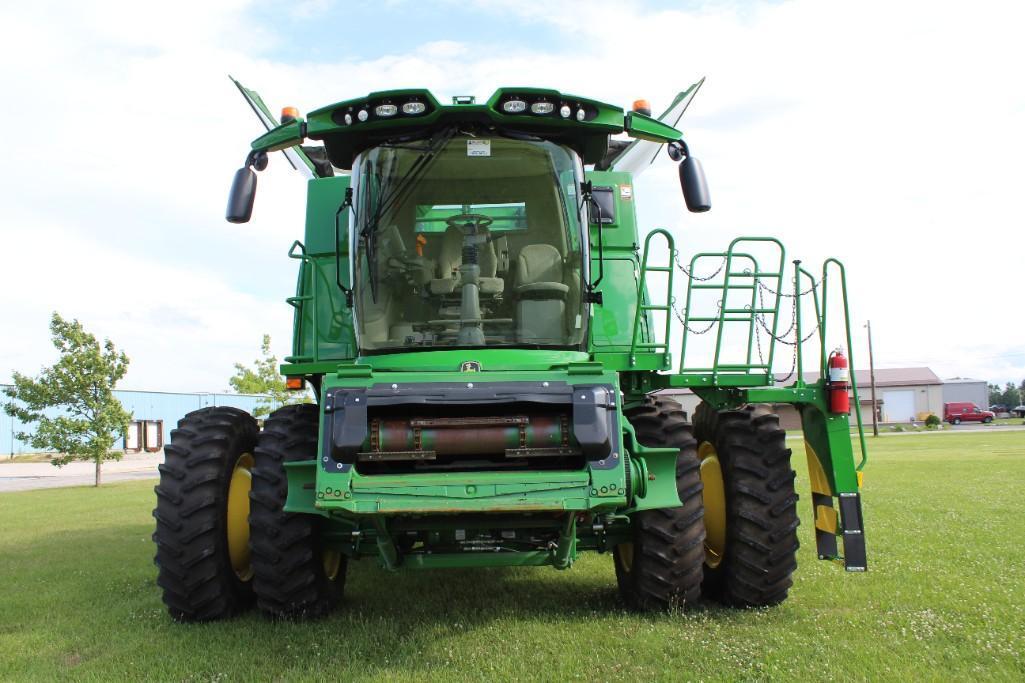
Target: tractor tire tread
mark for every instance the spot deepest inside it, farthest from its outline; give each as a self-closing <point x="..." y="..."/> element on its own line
<point x="194" y="571"/>
<point x="668" y="543"/>
<point x="289" y="577"/>
<point x="761" y="515"/>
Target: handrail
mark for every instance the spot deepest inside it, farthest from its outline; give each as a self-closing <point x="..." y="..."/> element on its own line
<point x="643" y="308"/>
<point x="751" y="311"/>
<point x="819" y="312"/>
<point x="299" y="299"/>
<point x="850" y="347"/>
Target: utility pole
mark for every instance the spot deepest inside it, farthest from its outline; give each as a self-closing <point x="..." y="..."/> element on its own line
<point x="872" y="375"/>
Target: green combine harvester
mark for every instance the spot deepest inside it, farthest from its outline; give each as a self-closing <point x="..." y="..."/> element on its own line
<point x="487" y="335"/>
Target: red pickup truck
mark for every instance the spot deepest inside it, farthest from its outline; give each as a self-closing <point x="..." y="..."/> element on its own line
<point x="956" y="413"/>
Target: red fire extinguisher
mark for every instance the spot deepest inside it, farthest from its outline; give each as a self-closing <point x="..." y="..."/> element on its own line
<point x="839" y="383"/>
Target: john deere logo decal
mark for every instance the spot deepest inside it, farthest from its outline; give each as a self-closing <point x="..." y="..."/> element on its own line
<point x="469" y="366"/>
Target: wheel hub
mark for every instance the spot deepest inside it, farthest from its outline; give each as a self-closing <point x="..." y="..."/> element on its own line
<point x="332" y="561"/>
<point x="714" y="498"/>
<point x="238" y="516"/>
<point x="626" y="556"/>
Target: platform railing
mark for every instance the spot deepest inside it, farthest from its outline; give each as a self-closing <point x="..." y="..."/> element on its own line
<point x="741" y="272"/>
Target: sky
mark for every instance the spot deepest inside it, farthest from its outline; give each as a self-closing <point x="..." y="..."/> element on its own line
<point x="888" y="134"/>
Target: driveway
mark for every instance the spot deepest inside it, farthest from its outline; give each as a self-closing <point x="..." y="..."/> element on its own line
<point x="24" y="476"/>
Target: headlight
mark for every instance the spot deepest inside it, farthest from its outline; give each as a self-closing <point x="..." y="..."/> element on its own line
<point x="362" y="115"/>
<point x="542" y="107"/>
<point x="580" y="114"/>
<point x="386" y="110"/>
<point x="514" y="106"/>
<point x="414" y="108"/>
<point x="564" y="111"/>
<point x="348" y="119"/>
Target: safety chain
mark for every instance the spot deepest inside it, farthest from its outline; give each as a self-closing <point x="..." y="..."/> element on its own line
<point x="686" y="272"/>
<point x="683" y="320"/>
<point x="762" y="285"/>
<point x="793" y="325"/>
<point x="793" y="319"/>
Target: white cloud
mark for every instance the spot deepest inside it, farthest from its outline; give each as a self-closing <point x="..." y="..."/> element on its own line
<point x="887" y="134"/>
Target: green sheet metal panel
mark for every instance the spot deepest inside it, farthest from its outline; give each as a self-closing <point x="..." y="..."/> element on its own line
<point x="324" y="321"/>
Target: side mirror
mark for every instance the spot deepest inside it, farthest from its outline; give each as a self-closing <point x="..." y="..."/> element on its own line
<point x="243" y="194"/>
<point x="695" y="188"/>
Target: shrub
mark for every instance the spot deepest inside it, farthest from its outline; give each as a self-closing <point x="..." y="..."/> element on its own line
<point x="932" y="422"/>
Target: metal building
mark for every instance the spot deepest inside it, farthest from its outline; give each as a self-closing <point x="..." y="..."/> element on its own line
<point x="966" y="389"/>
<point x="902" y="395"/>
<point x="154" y="414"/>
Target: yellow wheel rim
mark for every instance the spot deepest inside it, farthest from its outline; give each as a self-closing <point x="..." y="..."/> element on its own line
<point x="714" y="498"/>
<point x="332" y="560"/>
<point x="238" y="516"/>
<point x="626" y="556"/>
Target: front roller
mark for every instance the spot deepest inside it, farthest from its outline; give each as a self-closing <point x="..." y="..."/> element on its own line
<point x="202" y="532"/>
<point x="662" y="565"/>
<point x="750" y="506"/>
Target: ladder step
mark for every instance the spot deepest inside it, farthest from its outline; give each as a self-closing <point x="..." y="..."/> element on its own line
<point x="732" y="286"/>
<point x="748" y="319"/>
<point x="742" y="367"/>
<point x="745" y="311"/>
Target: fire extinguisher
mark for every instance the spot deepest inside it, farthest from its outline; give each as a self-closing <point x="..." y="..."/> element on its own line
<point x="839" y="383"/>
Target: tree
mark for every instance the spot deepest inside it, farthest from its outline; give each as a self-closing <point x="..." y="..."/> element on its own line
<point x="995" y="394"/>
<point x="80" y="385"/>
<point x="1010" y="395"/>
<point x="264" y="379"/>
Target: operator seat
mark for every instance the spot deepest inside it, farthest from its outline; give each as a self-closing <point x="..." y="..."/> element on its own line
<point x="541" y="295"/>
<point x="451" y="257"/>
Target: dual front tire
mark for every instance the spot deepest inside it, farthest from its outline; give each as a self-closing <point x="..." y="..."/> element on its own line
<point x="223" y="538"/>
<point x="734" y="539"/>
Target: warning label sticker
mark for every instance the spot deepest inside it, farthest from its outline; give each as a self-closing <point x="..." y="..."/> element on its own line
<point x="478" y="148"/>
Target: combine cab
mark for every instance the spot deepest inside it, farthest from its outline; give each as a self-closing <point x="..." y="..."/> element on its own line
<point x="487" y="333"/>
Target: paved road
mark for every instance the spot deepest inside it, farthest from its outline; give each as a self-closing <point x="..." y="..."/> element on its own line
<point x="24" y="476"/>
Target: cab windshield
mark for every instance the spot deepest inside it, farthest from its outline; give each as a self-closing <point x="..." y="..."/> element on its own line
<point x="470" y="242"/>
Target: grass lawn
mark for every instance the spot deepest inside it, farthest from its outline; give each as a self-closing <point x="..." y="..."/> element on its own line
<point x="944" y="598"/>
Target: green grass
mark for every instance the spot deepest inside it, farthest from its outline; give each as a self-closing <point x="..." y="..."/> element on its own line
<point x="944" y="598"/>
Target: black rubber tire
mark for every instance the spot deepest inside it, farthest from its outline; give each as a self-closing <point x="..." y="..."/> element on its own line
<point x="956" y="421"/>
<point x="761" y="506"/>
<point x="987" y="420"/>
<point x="289" y="576"/>
<point x="665" y="570"/>
<point x="195" y="571"/>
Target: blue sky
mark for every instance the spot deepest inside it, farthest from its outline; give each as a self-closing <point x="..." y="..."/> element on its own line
<point x="888" y="134"/>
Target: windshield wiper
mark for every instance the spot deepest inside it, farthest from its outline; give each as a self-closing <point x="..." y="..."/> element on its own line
<point x="397" y="191"/>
